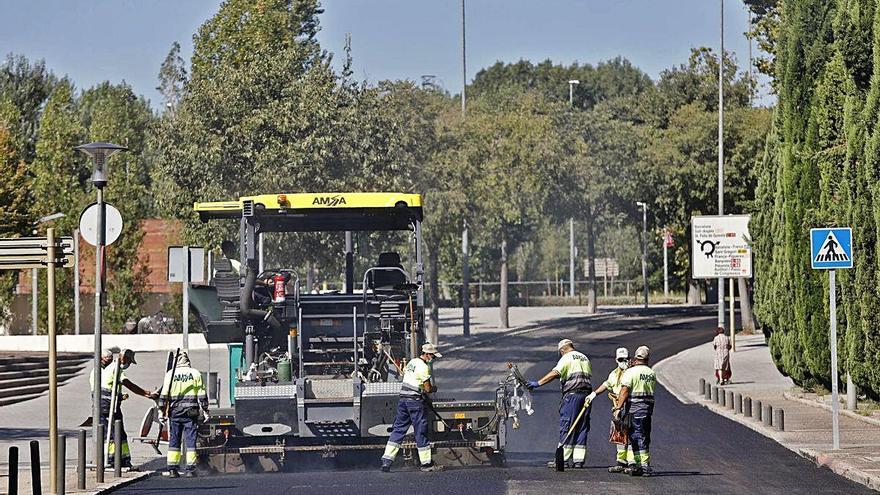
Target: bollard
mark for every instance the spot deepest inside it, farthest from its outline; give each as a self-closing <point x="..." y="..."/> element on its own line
<point x="715" y="394"/>
<point x="117" y="448"/>
<point x="81" y="460"/>
<point x="708" y="391"/>
<point x="759" y="411"/>
<point x="61" y="464"/>
<point x="779" y="420"/>
<point x="729" y="402"/>
<point x="702" y="386"/>
<point x="99" y="456"/>
<point x="768" y="415"/>
<point x="722" y="397"/>
<point x="13" y="470"/>
<point x="36" y="479"/>
<point x="747" y="407"/>
<point x="737" y="403"/>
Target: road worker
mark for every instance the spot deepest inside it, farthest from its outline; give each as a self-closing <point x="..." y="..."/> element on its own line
<point x="112" y="371"/>
<point x="574" y="373"/>
<point x="613" y="385"/>
<point x="636" y="400"/>
<point x="412" y="410"/>
<point x="184" y="400"/>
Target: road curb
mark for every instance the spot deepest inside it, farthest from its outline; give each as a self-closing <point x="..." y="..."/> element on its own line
<point x="841" y="468"/>
<point x="845" y="412"/>
<point x="659" y="368"/>
<point x="112" y="486"/>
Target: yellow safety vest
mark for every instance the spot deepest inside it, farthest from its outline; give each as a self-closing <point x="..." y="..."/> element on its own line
<point x="416" y="373"/>
<point x="185" y="390"/>
<point x="575" y="372"/>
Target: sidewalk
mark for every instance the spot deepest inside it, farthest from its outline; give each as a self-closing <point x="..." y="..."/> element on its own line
<point x="807" y="423"/>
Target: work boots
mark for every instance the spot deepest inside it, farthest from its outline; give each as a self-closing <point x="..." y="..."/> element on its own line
<point x="430" y="468"/>
<point x="173" y="473"/>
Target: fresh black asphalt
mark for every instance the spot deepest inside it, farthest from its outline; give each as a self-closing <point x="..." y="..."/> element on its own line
<point x="692" y="450"/>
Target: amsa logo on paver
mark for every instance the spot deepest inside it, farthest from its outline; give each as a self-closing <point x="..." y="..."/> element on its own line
<point x="331" y="201"/>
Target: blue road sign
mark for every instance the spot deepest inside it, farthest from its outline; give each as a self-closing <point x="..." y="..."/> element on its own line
<point x="831" y="248"/>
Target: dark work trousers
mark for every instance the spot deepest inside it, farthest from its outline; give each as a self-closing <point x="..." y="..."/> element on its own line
<point x="108" y="426"/>
<point x="182" y="430"/>
<point x="640" y="435"/>
<point x="409" y="412"/>
<point x="575" y="448"/>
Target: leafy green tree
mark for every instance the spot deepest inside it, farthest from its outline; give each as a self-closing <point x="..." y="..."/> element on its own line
<point x="14" y="200"/>
<point x="60" y="175"/>
<point x="27" y="86"/>
<point x="172" y="78"/>
<point x="113" y="113"/>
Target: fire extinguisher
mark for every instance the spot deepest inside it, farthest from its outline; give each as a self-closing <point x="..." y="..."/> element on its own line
<point x="279" y="283"/>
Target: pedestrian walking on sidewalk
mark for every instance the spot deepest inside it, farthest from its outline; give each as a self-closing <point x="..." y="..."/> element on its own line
<point x="575" y="374"/>
<point x="185" y="399"/>
<point x="721" y="344"/>
<point x="618" y="432"/>
<point x="635" y="406"/>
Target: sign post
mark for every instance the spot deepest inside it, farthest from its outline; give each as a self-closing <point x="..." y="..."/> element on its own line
<point x="186" y="264"/>
<point x="667" y="243"/>
<point x="36" y="253"/>
<point x="832" y="249"/>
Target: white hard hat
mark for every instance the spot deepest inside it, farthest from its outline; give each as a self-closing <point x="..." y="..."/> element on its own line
<point x="622" y="353"/>
<point x="430" y="348"/>
<point x="564" y="343"/>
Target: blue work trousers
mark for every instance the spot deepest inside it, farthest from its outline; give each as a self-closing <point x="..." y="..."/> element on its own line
<point x="640" y="436"/>
<point x="182" y="430"/>
<point x="409" y="412"/>
<point x="575" y="447"/>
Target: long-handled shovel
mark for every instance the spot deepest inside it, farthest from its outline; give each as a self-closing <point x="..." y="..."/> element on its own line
<point x="560" y="458"/>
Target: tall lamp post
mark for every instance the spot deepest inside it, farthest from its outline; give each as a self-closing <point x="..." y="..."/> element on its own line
<point x="644" y="207"/>
<point x="99" y="153"/>
<point x="35" y="274"/>
<point x="721" y="157"/>
<point x="571" y="251"/>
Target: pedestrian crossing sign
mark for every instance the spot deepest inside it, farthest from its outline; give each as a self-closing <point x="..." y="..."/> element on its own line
<point x="831" y="248"/>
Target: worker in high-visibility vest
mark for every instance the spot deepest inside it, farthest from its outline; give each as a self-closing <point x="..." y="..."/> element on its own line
<point x="636" y="401"/>
<point x="575" y="376"/>
<point x="185" y="400"/>
<point x="112" y="369"/>
<point x="411" y="410"/>
<point x="613" y="385"/>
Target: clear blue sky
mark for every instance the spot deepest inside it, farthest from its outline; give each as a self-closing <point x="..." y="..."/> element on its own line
<point x="94" y="40"/>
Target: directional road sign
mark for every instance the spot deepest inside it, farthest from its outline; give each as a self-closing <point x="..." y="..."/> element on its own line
<point x="721" y="246"/>
<point x="32" y="252"/>
<point x="831" y="248"/>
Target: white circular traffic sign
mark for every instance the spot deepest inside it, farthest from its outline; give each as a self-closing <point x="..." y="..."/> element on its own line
<point x="88" y="224"/>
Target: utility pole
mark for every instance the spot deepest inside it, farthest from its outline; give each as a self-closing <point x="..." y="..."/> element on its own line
<point x="721" y="156"/>
<point x="666" y="239"/>
<point x="465" y="268"/>
<point x="644" y="207"/>
<point x="571" y="250"/>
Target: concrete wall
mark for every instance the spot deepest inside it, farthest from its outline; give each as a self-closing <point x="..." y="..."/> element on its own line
<point x="85" y="343"/>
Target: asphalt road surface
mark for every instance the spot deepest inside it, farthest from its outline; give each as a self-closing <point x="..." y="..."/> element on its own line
<point x="692" y="450"/>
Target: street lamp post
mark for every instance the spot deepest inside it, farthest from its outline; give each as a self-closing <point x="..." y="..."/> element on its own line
<point x="644" y="207"/>
<point x="571" y="250"/>
<point x="721" y="156"/>
<point x="99" y="153"/>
